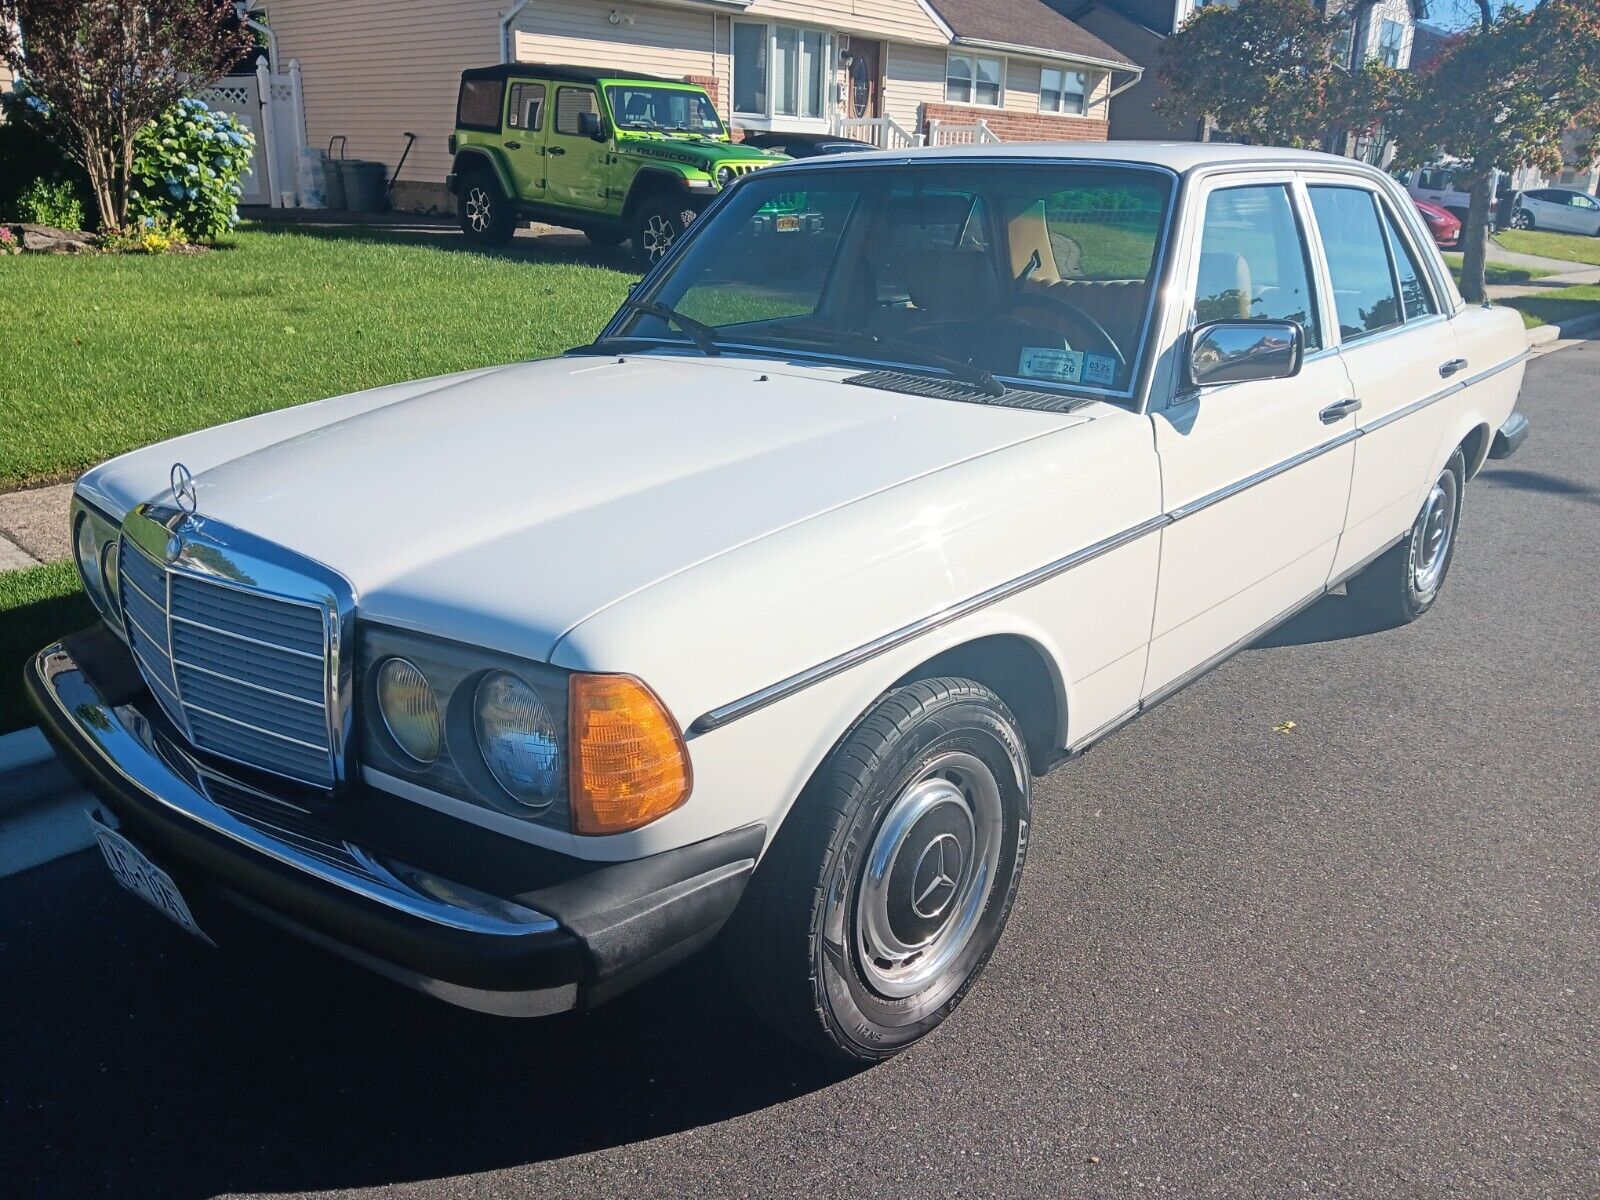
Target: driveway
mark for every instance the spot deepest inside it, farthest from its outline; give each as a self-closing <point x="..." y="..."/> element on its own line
<point x="1361" y="957"/>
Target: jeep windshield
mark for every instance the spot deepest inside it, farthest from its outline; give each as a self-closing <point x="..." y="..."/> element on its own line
<point x="1037" y="275"/>
<point x="663" y="110"/>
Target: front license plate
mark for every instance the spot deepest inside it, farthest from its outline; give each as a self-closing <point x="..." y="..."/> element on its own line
<point x="144" y="879"/>
<point x="788" y="224"/>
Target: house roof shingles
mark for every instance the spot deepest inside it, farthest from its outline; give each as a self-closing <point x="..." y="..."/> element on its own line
<point x="1030" y="23"/>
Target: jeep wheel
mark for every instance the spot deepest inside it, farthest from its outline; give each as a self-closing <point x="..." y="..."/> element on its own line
<point x="486" y="216"/>
<point x="657" y="225"/>
<point x="885" y="892"/>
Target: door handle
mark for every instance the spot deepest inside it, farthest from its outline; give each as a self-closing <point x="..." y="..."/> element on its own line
<point x="554" y="150"/>
<point x="1450" y="368"/>
<point x="513" y="145"/>
<point x="1338" y="412"/>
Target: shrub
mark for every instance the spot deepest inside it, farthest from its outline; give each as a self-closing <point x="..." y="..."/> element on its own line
<point x="186" y="168"/>
<point x="29" y="151"/>
<point x="46" y="203"/>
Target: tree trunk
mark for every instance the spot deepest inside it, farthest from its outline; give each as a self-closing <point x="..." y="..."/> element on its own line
<point x="1475" y="239"/>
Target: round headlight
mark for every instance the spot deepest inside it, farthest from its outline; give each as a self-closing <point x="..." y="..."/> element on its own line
<point x="410" y="712"/>
<point x="88" y="552"/>
<point x="518" y="739"/>
<point x="724" y="175"/>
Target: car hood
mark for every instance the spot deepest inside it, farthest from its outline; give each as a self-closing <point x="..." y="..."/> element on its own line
<point x="695" y="152"/>
<point x="504" y="507"/>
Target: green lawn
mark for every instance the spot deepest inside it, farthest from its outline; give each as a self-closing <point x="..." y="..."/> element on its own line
<point x="1499" y="273"/>
<point x="1567" y="246"/>
<point x="37" y="606"/>
<point x="1556" y="305"/>
<point x="113" y="352"/>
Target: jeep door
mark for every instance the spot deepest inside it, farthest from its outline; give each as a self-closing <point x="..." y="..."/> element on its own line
<point x="524" y="137"/>
<point x="575" y="165"/>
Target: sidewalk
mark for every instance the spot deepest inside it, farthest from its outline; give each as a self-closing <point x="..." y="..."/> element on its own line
<point x="33" y="526"/>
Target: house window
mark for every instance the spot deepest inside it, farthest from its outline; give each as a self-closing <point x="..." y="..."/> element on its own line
<point x="1063" y="91"/>
<point x="1344" y="42"/>
<point x="969" y="79"/>
<point x="779" y="70"/>
<point x="1391" y="43"/>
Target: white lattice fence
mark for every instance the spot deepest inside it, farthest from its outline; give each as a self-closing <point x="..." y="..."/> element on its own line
<point x="882" y="132"/>
<point x="943" y="133"/>
<point x="277" y="124"/>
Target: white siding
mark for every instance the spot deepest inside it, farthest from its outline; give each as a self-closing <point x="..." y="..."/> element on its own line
<point x="661" y="41"/>
<point x="905" y="20"/>
<point x="914" y="76"/>
<point x="374" y="70"/>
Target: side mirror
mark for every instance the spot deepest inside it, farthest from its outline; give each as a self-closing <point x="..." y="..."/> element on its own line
<point x="592" y="127"/>
<point x="1240" y="351"/>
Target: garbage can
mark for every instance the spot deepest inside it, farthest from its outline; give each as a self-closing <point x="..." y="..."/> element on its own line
<point x="363" y="184"/>
<point x="332" y="182"/>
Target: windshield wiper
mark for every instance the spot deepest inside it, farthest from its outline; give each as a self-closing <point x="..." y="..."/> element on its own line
<point x="959" y="368"/>
<point x="702" y="335"/>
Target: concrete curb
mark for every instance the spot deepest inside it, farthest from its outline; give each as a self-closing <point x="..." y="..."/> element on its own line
<point x="1577" y="327"/>
<point x="1543" y="335"/>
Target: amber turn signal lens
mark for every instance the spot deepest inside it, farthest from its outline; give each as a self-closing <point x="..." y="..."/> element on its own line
<point x="629" y="764"/>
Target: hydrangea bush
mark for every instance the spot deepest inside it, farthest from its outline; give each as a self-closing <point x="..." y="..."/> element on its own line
<point x="187" y="169"/>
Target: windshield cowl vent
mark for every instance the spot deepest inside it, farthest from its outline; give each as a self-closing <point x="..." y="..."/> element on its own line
<point x="953" y="389"/>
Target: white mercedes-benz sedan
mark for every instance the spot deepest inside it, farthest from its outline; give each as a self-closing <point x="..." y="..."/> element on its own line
<point x="903" y="480"/>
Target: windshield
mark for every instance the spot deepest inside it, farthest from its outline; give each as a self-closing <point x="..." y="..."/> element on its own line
<point x="1034" y="273"/>
<point x="663" y="110"/>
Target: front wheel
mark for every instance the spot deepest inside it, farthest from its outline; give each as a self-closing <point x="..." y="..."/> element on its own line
<point x="1404" y="583"/>
<point x="1522" y="219"/>
<point x="656" y="226"/>
<point x="886" y="891"/>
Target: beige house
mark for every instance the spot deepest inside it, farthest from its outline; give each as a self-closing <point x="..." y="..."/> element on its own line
<point x="373" y="71"/>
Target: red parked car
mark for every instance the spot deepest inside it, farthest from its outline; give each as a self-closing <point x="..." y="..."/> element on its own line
<point x="1445" y="226"/>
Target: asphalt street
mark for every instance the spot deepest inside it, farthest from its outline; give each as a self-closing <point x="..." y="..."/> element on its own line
<point x="1357" y="958"/>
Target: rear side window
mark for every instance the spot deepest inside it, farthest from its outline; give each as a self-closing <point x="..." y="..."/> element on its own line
<point x="569" y="103"/>
<point x="1414" y="294"/>
<point x="479" y="104"/>
<point x="1253" y="261"/>
<point x="1358" y="261"/>
<point x="526" y="110"/>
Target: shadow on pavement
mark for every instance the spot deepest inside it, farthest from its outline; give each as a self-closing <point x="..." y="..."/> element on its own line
<point x="138" y="1062"/>
<point x="1541" y="481"/>
<point x="1334" y="618"/>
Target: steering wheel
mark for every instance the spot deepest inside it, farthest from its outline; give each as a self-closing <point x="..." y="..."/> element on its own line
<point x="1096" y="339"/>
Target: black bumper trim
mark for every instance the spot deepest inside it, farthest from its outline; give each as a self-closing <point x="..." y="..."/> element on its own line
<point x="1509" y="437"/>
<point x="572" y="944"/>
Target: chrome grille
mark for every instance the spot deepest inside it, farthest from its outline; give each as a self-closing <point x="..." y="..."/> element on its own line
<point x="243" y="673"/>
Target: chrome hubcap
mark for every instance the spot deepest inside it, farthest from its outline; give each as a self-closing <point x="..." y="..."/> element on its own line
<point x="658" y="235"/>
<point x="1430" y="542"/>
<point x="478" y="205"/>
<point x="928" y="875"/>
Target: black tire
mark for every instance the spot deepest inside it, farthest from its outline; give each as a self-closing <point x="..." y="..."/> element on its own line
<point x="657" y="224"/>
<point x="485" y="213"/>
<point x="1523" y="219"/>
<point x="801" y="945"/>
<point x="1403" y="584"/>
<point x="605" y="237"/>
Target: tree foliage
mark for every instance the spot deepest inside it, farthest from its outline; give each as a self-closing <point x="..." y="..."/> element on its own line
<point x="1264" y="72"/>
<point x="104" y="69"/>
<point x="1505" y="96"/>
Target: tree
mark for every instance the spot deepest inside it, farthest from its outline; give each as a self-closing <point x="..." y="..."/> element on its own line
<point x="1503" y="97"/>
<point x="104" y="69"/>
<point x="1265" y="71"/>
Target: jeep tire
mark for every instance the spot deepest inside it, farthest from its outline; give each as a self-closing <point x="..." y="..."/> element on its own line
<point x="657" y="225"/>
<point x="486" y="215"/>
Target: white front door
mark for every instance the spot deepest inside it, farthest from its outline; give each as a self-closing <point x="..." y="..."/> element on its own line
<point x="1257" y="474"/>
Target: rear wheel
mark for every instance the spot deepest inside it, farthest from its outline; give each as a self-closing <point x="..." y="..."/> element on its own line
<point x="884" y="894"/>
<point x="485" y="213"/>
<point x="1404" y="583"/>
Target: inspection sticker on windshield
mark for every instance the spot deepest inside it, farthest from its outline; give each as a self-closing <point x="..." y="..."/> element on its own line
<point x="1046" y="362"/>
<point x="1099" y="369"/>
<point x="787" y="224"/>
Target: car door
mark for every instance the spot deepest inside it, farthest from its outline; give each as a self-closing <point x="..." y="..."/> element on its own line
<point x="575" y="170"/>
<point x="1255" y="475"/>
<point x="524" y="136"/>
<point x="1583" y="214"/>
<point x="1398" y="348"/>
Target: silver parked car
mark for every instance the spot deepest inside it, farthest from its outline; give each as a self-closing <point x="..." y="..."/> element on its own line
<point x="1560" y="210"/>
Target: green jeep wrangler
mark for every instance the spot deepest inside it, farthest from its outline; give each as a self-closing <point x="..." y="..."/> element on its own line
<point x="616" y="155"/>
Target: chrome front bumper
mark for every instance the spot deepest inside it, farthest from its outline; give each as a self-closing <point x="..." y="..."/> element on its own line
<point x="605" y="929"/>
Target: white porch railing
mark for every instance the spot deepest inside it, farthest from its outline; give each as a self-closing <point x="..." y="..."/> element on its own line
<point x="944" y="133"/>
<point x="882" y="132"/>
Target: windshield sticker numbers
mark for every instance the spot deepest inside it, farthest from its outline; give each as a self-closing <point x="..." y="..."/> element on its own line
<point x="1046" y="362"/>
<point x="1099" y="369"/>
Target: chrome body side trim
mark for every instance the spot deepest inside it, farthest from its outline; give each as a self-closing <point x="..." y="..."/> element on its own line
<point x="127" y="744"/>
<point x="725" y="714"/>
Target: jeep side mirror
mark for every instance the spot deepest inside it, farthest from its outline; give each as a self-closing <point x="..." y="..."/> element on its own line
<point x="592" y="127"/>
<point x="1240" y="351"/>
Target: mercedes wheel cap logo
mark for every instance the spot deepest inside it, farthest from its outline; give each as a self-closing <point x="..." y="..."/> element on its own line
<point x="183" y="493"/>
<point x="933" y="883"/>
